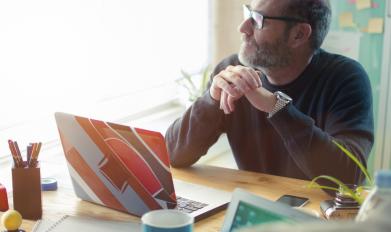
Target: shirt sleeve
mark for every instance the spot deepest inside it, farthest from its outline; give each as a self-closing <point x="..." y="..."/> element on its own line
<point x="349" y="122"/>
<point x="190" y="136"/>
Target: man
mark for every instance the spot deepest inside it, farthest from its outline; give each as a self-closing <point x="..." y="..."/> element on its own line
<point x="282" y="101"/>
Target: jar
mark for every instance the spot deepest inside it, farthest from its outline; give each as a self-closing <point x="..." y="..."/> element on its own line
<point x="342" y="206"/>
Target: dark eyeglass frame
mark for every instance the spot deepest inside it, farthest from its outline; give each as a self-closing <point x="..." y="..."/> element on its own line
<point x="251" y="14"/>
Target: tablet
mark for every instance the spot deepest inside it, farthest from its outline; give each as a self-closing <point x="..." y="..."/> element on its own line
<point x="246" y="209"/>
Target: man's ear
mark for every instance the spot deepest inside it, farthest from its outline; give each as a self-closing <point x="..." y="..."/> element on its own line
<point x="300" y="34"/>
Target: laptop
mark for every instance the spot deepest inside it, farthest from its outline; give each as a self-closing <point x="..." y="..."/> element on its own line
<point x="248" y="210"/>
<point x="128" y="169"/>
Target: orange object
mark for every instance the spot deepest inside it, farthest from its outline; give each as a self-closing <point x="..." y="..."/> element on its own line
<point x="3" y="199"/>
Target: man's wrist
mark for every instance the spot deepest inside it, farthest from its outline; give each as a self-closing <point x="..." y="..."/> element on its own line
<point x="272" y="102"/>
<point x="262" y="99"/>
<point x="282" y="101"/>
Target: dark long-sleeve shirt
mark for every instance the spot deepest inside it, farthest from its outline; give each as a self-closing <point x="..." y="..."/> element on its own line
<point x="332" y="100"/>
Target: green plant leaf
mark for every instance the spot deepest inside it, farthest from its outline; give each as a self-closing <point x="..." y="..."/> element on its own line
<point x="205" y="78"/>
<point x="316" y="185"/>
<point x="346" y="189"/>
<point x="189" y="80"/>
<point x="355" y="160"/>
<point x="183" y="84"/>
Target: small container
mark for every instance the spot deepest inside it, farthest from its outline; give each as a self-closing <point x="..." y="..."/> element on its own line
<point x="3" y="199"/>
<point x="26" y="184"/>
<point x="342" y="207"/>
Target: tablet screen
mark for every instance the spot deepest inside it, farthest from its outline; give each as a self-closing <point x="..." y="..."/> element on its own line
<point x="249" y="215"/>
<point x="247" y="209"/>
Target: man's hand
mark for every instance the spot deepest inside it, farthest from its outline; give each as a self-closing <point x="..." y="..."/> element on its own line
<point x="231" y="84"/>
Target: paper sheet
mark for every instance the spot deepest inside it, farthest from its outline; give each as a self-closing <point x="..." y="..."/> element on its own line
<point x="344" y="43"/>
<point x="375" y="25"/>
<point x="346" y="20"/>
<point x="363" y="4"/>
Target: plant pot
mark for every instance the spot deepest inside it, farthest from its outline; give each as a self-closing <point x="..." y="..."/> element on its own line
<point x="343" y="206"/>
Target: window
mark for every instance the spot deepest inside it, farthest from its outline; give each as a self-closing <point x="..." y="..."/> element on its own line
<point x="104" y="59"/>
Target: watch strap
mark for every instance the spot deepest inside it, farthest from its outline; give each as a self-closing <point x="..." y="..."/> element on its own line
<point x="282" y="101"/>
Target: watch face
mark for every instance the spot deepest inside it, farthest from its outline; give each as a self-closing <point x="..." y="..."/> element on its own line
<point x="283" y="96"/>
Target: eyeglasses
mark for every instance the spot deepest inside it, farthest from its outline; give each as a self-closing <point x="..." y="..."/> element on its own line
<point x="257" y="18"/>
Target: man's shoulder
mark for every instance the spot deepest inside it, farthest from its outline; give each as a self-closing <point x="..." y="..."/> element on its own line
<point x="229" y="60"/>
<point x="338" y="62"/>
<point x="338" y="70"/>
<point x="232" y="59"/>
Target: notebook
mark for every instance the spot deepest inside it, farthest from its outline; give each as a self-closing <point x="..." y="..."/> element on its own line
<point x="128" y="169"/>
<point x="75" y="223"/>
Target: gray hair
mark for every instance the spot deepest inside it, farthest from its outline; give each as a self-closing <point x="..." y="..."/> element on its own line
<point x="316" y="12"/>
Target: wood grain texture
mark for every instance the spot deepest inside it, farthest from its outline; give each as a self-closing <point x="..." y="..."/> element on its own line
<point x="63" y="201"/>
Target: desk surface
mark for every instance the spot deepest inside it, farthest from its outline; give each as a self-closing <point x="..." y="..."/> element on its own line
<point x="63" y="201"/>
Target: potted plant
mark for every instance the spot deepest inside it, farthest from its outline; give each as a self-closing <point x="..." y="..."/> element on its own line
<point x="194" y="84"/>
<point x="355" y="192"/>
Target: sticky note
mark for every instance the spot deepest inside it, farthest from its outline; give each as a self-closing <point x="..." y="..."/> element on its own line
<point x="375" y="25"/>
<point x="363" y="4"/>
<point x="346" y="20"/>
<point x="375" y="5"/>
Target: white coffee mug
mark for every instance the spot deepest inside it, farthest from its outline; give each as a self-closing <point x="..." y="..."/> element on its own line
<point x="164" y="220"/>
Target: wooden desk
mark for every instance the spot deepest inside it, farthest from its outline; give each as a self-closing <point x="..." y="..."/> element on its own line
<point x="63" y="201"/>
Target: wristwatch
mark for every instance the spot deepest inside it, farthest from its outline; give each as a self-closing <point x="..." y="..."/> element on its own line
<point x="282" y="101"/>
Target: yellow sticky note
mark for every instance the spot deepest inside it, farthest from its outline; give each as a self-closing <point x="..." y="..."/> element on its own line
<point x="375" y="25"/>
<point x="364" y="29"/>
<point x="363" y="4"/>
<point x="346" y="20"/>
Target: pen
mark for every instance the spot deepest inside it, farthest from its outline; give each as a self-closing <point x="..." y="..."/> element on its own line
<point x="18" y="154"/>
<point x="38" y="149"/>
<point x="17" y="161"/>
<point x="29" y="150"/>
<point x="34" y="156"/>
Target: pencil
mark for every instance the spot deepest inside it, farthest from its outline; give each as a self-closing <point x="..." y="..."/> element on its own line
<point x="29" y="150"/>
<point x="18" y="153"/>
<point x="34" y="156"/>
<point x="13" y="153"/>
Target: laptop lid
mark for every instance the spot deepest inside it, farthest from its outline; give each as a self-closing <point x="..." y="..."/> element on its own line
<point x="117" y="166"/>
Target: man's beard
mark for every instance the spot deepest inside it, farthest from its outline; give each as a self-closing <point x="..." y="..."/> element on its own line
<point x="265" y="55"/>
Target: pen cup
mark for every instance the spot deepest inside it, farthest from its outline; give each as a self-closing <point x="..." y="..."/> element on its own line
<point x="26" y="184"/>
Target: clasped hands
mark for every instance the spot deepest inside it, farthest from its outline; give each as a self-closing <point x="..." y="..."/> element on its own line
<point x="235" y="82"/>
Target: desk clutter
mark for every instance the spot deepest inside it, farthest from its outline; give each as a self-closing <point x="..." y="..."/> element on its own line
<point x="247" y="209"/>
<point x="48" y="184"/>
<point x="26" y="181"/>
<point x="3" y="199"/>
<point x="11" y="220"/>
<point x="76" y="223"/>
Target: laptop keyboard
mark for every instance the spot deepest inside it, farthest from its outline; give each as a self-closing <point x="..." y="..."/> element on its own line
<point x="188" y="206"/>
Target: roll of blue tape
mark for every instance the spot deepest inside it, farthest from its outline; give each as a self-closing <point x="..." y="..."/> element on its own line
<point x="48" y="184"/>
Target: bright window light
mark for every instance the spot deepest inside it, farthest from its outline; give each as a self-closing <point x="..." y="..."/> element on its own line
<point x="106" y="58"/>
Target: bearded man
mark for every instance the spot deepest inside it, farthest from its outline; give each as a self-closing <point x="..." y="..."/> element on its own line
<point x="282" y="100"/>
